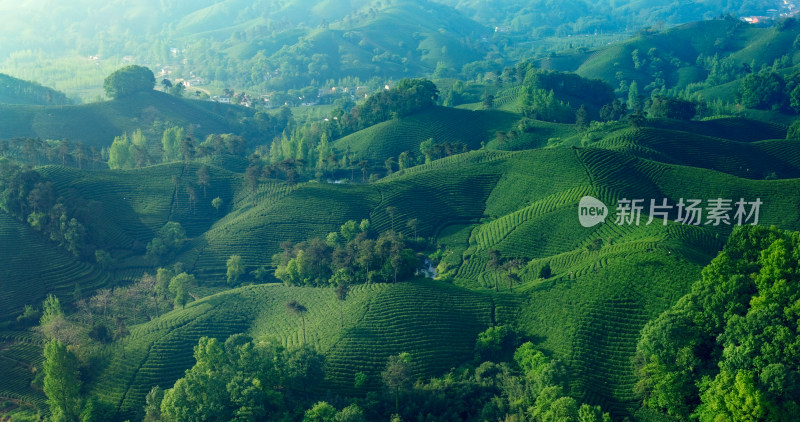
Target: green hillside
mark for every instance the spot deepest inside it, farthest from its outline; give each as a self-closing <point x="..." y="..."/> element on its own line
<point x="389" y="139"/>
<point x="391" y="40"/>
<point x="605" y="279"/>
<point x="97" y="124"/>
<point x="380" y="321"/>
<point x="391" y="257"/>
<point x="704" y="56"/>
<point x="584" y="17"/>
<point x="27" y="283"/>
<point x="16" y="91"/>
<point x="257" y="46"/>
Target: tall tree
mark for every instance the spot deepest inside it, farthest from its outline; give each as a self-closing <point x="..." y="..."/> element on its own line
<point x="51" y="309"/>
<point x="203" y="178"/>
<point x="148" y="284"/>
<point x="235" y="269"/>
<point x="413" y="224"/>
<point x="341" y="294"/>
<point x="391" y="211"/>
<point x="61" y="382"/>
<point x="582" y="118"/>
<point x="119" y="154"/>
<point x="398" y="376"/>
<point x="296" y="308"/>
<point x="129" y="80"/>
<point x="152" y="406"/>
<point x="493" y="264"/>
<point x="634" y="98"/>
<point x="171" y="143"/>
<point x="121" y="332"/>
<point x="511" y="267"/>
<point x="179" y="286"/>
<point x="216" y="203"/>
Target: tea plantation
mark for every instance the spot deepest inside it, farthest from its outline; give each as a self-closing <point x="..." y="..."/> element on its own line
<point x="582" y="295"/>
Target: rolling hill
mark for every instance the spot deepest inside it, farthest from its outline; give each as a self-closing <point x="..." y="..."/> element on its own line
<point x="581" y="295"/>
<point x="97" y="124"/>
<point x="390" y="138"/>
<point x="16" y="91"/>
<point x="604" y="284"/>
<point x="684" y="55"/>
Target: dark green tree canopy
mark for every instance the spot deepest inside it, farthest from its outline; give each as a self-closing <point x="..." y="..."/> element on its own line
<point x="728" y="350"/>
<point x="762" y="90"/>
<point x="129" y="80"/>
<point x="672" y="108"/>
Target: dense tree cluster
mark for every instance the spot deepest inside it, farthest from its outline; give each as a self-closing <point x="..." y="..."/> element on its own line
<point x="241" y="379"/>
<point x="101" y="317"/>
<point x="672" y="108"/>
<point x="729" y="348"/>
<point x="245" y="379"/>
<point x="351" y="255"/>
<point x="37" y="152"/>
<point x="794" y="131"/>
<point x="432" y="150"/>
<point x="541" y="90"/>
<point x="28" y="196"/>
<point x="129" y="80"/>
<point x="522" y="384"/>
<point x="167" y="241"/>
<point x="409" y="96"/>
<point x="125" y="153"/>
<point x="770" y="90"/>
<point x="17" y="91"/>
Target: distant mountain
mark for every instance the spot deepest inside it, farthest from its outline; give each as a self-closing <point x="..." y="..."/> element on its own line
<point x="698" y="56"/>
<point x="255" y="45"/>
<point x="406" y="38"/>
<point x="269" y="45"/>
<point x="17" y="91"/>
<point x="580" y="16"/>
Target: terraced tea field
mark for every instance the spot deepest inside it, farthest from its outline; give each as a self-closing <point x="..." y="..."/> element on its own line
<point x="389" y="139"/>
<point x="113" y="118"/>
<point x="20" y="354"/>
<point x="604" y="283"/>
<point x="435" y="322"/>
<point x="34" y="267"/>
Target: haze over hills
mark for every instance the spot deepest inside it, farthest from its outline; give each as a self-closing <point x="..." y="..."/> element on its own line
<point x="411" y="240"/>
<point x="16" y="91"/>
<point x="282" y="45"/>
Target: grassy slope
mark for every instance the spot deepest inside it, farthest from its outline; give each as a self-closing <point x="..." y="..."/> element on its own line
<point x="434" y="321"/>
<point x="443" y="124"/>
<point x="16" y="91"/>
<point x="417" y="35"/>
<point x="746" y="44"/>
<point x="109" y="119"/>
<point x="129" y="207"/>
<point x="613" y="290"/>
<point x="24" y="278"/>
<point x="588" y="312"/>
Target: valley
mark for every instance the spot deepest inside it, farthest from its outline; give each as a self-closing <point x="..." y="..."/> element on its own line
<point x="169" y="255"/>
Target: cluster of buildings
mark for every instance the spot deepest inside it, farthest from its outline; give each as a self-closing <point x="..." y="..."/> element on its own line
<point x="787" y="10"/>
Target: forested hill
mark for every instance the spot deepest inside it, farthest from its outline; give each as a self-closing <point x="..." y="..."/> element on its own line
<point x="143" y="110"/>
<point x="17" y="91"/>
<point x="582" y="16"/>
<point x="480" y="231"/>
<point x="271" y="45"/>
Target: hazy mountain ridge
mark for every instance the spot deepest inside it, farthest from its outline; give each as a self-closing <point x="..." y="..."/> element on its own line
<point x="17" y="91"/>
<point x="329" y="40"/>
